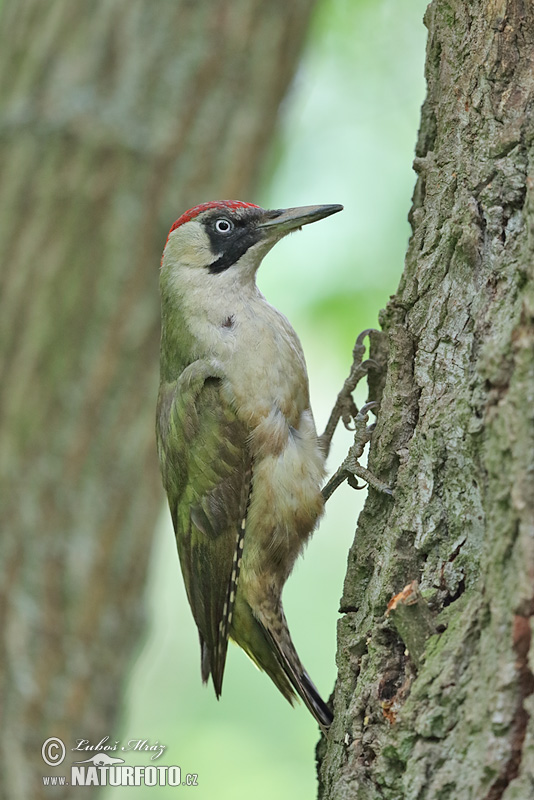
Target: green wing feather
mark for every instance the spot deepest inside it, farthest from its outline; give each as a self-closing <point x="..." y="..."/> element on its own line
<point x="206" y="468"/>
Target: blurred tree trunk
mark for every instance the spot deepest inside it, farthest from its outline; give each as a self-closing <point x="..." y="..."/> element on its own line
<point x="455" y="436"/>
<point x="115" y="117"/>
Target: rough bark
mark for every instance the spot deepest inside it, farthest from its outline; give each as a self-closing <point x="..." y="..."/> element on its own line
<point x="455" y="436"/>
<point x="116" y="116"/>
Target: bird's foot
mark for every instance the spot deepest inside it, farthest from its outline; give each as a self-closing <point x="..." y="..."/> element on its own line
<point x="351" y="469"/>
<point x="345" y="408"/>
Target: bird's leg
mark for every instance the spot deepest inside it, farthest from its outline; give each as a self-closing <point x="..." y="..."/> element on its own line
<point x="350" y="470"/>
<point x="345" y="408"/>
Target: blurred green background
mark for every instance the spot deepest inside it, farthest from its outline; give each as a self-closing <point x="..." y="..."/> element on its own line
<point x="347" y="136"/>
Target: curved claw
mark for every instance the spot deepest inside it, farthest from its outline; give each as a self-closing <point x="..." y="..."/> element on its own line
<point x="367" y="407"/>
<point x="365" y="333"/>
<point x="352" y="480"/>
<point x="347" y="421"/>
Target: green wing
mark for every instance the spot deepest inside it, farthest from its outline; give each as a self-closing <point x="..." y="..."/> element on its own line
<point x="206" y="468"/>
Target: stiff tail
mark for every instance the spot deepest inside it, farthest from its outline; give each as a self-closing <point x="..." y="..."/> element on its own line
<point x="288" y="659"/>
<point x="268" y="644"/>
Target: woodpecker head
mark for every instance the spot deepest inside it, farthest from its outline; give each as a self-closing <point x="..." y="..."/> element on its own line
<point x="223" y="243"/>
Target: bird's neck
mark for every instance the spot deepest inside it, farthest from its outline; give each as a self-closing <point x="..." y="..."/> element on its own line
<point x="177" y="346"/>
<point x="199" y="313"/>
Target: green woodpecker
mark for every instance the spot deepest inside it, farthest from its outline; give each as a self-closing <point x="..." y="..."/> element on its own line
<point x="239" y="453"/>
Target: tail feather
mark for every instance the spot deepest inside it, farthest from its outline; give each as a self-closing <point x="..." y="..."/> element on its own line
<point x="268" y="644"/>
<point x="254" y="639"/>
<point x="289" y="661"/>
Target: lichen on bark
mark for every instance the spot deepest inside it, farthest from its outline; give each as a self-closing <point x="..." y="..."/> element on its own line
<point x="455" y="436"/>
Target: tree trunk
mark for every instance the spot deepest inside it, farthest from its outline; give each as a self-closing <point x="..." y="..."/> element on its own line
<point x="453" y="718"/>
<point x="116" y="117"/>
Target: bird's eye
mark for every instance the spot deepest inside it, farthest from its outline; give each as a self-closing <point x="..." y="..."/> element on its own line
<point x="223" y="226"/>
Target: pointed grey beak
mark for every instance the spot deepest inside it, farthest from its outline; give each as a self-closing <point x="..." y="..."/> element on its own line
<point x="284" y="220"/>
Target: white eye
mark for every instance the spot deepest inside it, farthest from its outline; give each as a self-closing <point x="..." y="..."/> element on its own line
<point x="223" y="225"/>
